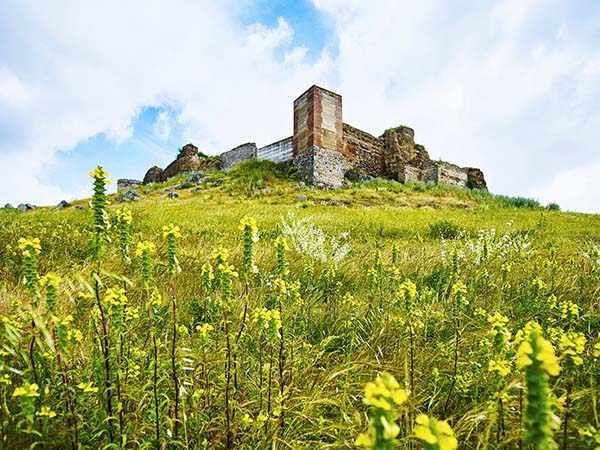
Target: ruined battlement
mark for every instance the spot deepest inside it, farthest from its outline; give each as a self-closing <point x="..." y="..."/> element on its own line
<point x="327" y="151"/>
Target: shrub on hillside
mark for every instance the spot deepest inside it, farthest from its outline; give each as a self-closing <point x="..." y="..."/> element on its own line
<point x="505" y="201"/>
<point x="444" y="229"/>
<point x="255" y="174"/>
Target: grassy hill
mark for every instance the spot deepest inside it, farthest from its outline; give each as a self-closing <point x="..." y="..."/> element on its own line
<point x="218" y="340"/>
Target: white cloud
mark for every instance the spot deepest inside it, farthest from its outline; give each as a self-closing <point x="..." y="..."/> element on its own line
<point x="576" y="189"/>
<point x="162" y="125"/>
<point x="511" y="87"/>
<point x="71" y="70"/>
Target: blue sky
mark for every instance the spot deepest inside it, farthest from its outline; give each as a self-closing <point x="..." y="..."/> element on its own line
<point x="510" y="86"/>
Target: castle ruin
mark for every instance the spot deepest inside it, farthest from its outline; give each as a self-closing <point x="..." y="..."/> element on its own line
<point x="327" y="151"/>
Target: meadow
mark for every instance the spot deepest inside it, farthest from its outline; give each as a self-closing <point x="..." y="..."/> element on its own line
<point x="261" y="313"/>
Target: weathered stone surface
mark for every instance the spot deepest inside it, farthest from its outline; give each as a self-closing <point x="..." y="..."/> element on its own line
<point x="317" y="121"/>
<point x="321" y="167"/>
<point x="280" y="151"/>
<point x="444" y="172"/>
<point x="197" y="189"/>
<point x="301" y="198"/>
<point x="79" y="207"/>
<point x="8" y="206"/>
<point x="218" y="182"/>
<point x="362" y="151"/>
<point x="356" y="176"/>
<point x="173" y="195"/>
<point x="475" y="179"/>
<point x="24" y="207"/>
<point x="62" y="204"/>
<point x="240" y="153"/>
<point x="154" y="175"/>
<point x="189" y="161"/>
<point x="131" y="196"/>
<point x="195" y="178"/>
<point x="123" y="184"/>
<point x="326" y="150"/>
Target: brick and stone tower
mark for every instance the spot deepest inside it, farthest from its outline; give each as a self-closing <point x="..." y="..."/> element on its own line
<point x="318" y="137"/>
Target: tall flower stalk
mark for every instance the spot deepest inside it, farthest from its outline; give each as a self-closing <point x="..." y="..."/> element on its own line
<point x="385" y="396"/>
<point x="536" y="357"/>
<point x="226" y="274"/>
<point x="249" y="228"/>
<point x="171" y="233"/>
<point x="124" y="219"/>
<point x="101" y="226"/>
<point x="145" y="250"/>
<point x="30" y="249"/>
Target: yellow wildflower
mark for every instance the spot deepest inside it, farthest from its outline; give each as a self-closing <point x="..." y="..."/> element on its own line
<point x="435" y="432"/>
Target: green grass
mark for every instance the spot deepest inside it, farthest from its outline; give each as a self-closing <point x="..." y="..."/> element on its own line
<point x="333" y="343"/>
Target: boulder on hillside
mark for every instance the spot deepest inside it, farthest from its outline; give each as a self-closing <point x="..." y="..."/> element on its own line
<point x="188" y="160"/>
<point x="154" y="175"/>
<point x="24" y="207"/>
<point x="63" y="204"/>
<point x="195" y="178"/>
<point x="8" y="206"/>
<point x="132" y="196"/>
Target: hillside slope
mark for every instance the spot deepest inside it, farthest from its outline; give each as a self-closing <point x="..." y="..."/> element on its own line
<point x="218" y="340"/>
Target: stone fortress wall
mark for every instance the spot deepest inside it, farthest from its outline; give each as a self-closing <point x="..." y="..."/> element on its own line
<point x="327" y="152"/>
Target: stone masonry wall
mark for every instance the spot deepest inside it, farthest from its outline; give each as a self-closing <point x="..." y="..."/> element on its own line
<point x="237" y="155"/>
<point x="318" y="136"/>
<point x="321" y="166"/>
<point x="452" y="174"/>
<point x="444" y="172"/>
<point x="362" y="151"/>
<point x="279" y="151"/>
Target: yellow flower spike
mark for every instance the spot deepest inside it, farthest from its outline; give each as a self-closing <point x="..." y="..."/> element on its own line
<point x="25" y="244"/>
<point x="50" y="280"/>
<point x="250" y="222"/>
<point x="204" y="329"/>
<point x="124" y="215"/>
<point x="422" y="430"/>
<point x="435" y="432"/>
<point x="407" y="289"/>
<point x="27" y="390"/>
<point x="459" y="289"/>
<point x="221" y="253"/>
<point x="280" y="240"/>
<point x="523" y="359"/>
<point x="145" y="246"/>
<point x="171" y="230"/>
<point x="100" y="174"/>
<point x="45" y="411"/>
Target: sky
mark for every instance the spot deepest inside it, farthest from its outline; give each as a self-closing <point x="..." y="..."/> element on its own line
<point x="512" y="87"/>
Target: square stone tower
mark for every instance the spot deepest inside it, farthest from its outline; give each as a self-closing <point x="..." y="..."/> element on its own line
<point x="318" y="137"/>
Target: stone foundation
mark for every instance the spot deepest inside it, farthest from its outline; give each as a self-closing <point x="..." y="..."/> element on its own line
<point x="321" y="167"/>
